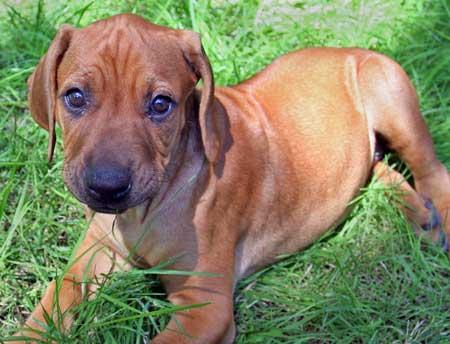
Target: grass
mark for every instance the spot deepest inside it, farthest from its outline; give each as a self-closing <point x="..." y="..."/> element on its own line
<point x="371" y="281"/>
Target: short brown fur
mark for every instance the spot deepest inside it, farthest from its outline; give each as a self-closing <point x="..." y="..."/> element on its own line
<point x="235" y="176"/>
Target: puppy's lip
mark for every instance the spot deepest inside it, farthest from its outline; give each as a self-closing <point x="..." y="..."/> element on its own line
<point x="107" y="210"/>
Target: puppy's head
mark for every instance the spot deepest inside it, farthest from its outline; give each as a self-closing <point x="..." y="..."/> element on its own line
<point x="120" y="90"/>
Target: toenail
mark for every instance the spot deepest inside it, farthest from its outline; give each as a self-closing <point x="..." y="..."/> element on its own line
<point x="435" y="218"/>
<point x="443" y="240"/>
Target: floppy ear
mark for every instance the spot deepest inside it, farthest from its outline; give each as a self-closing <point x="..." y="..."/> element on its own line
<point x="42" y="85"/>
<point x="195" y="56"/>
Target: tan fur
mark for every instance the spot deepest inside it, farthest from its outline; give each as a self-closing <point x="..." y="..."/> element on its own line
<point x="236" y="176"/>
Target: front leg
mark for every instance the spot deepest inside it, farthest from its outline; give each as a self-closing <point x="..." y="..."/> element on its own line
<point x="91" y="260"/>
<point x="212" y="323"/>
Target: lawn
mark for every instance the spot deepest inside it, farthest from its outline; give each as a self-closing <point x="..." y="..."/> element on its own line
<point x="368" y="281"/>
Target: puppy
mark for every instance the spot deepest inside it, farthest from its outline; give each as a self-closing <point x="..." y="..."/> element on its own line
<point x="226" y="179"/>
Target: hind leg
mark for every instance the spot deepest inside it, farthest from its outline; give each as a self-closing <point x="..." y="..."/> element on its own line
<point x="393" y="112"/>
<point x="422" y="214"/>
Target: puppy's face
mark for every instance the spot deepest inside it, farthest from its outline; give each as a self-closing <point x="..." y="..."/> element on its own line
<point x="121" y="90"/>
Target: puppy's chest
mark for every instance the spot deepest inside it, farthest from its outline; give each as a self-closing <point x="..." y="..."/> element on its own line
<point x="157" y="237"/>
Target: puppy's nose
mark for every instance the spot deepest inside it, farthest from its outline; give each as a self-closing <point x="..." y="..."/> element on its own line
<point x="108" y="184"/>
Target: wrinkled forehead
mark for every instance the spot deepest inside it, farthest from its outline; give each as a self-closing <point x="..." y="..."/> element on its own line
<point x="126" y="51"/>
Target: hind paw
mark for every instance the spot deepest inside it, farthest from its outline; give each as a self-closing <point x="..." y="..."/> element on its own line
<point x="434" y="219"/>
<point x="434" y="227"/>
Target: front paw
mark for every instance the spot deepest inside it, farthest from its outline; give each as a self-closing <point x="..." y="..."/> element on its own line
<point x="171" y="335"/>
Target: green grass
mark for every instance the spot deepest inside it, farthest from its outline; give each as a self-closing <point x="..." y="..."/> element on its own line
<point x="371" y="281"/>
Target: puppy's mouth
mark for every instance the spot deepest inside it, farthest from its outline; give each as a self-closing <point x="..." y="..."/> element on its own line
<point x="108" y="210"/>
<point x="120" y="208"/>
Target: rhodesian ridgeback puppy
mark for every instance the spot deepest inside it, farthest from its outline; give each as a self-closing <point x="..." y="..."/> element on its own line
<point x="226" y="179"/>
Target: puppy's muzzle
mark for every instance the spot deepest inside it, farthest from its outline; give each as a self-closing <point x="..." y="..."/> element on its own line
<point x="108" y="185"/>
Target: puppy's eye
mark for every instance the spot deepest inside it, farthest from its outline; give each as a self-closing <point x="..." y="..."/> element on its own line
<point x="75" y="99"/>
<point x="160" y="107"/>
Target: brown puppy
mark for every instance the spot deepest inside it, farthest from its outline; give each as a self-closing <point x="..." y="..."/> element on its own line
<point x="227" y="179"/>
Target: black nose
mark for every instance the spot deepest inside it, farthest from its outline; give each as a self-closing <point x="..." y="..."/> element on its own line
<point x="108" y="184"/>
